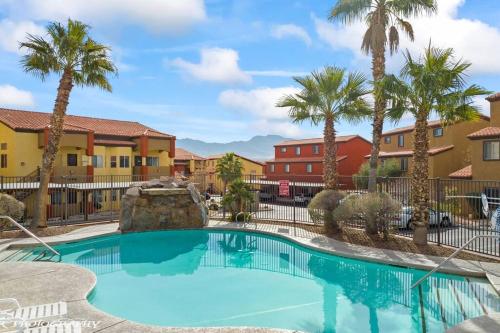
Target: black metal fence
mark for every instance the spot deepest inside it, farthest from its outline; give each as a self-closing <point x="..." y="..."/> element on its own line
<point x="457" y="212"/>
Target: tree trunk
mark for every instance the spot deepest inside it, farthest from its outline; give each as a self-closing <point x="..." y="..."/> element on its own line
<point x="420" y="180"/>
<point x="50" y="152"/>
<point x="378" y="70"/>
<point x="330" y="157"/>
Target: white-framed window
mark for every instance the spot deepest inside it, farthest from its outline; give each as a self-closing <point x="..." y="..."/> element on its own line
<point x="316" y="149"/>
<point x="283" y="149"/>
<point x="287" y="168"/>
<point x="404" y="163"/>
<point x="124" y="161"/>
<point x="153" y="161"/>
<point x="491" y="150"/>
<point x="401" y="140"/>
<point x="97" y="161"/>
<point x="297" y="150"/>
<point x="309" y="168"/>
<point x="437" y="132"/>
<point x="387" y="139"/>
<point x="271" y="167"/>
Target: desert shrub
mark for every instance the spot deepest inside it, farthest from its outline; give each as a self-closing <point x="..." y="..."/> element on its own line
<point x="390" y="168"/>
<point x="376" y="210"/>
<point x="10" y="206"/>
<point x="238" y="198"/>
<point x="321" y="209"/>
<point x="212" y="205"/>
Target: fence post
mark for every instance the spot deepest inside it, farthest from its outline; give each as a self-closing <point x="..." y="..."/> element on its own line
<point x="1" y="183"/>
<point x="112" y="191"/>
<point x="438" y="209"/>
<point x="294" y="206"/>
<point x="66" y="197"/>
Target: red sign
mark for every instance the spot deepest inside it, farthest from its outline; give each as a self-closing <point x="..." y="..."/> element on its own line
<point x="284" y="186"/>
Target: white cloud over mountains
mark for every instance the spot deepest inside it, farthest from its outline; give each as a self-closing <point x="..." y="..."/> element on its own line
<point x="291" y="31"/>
<point x="159" y="16"/>
<point x="473" y="40"/>
<point x="216" y="65"/>
<point x="13" y="97"/>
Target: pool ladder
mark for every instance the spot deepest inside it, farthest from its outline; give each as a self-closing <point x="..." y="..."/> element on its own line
<point x="246" y="218"/>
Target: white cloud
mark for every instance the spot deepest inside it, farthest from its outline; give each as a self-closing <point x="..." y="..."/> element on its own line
<point x="216" y="65"/>
<point x="13" y="97"/>
<point x="169" y="16"/>
<point x="11" y="33"/>
<point x="473" y="40"/>
<point x="291" y="31"/>
<point x="283" y="128"/>
<point x="276" y="73"/>
<point x="260" y="102"/>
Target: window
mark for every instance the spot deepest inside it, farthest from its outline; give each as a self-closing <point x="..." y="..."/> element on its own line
<point x="113" y="195"/>
<point x="309" y="168"/>
<point x="97" y="161"/>
<point x="271" y="167"/>
<point x="283" y="149"/>
<point x="3" y="161"/>
<point x="387" y="139"/>
<point x="297" y="150"/>
<point x="401" y="140"/>
<point x="113" y="162"/>
<point x="316" y="149"/>
<point x="138" y="161"/>
<point x="287" y="168"/>
<point x="55" y="198"/>
<point x="437" y="132"/>
<point x="72" y="159"/>
<point x="3" y="146"/>
<point x="491" y="150"/>
<point x="404" y="164"/>
<point x="124" y="161"/>
<point x="153" y="161"/>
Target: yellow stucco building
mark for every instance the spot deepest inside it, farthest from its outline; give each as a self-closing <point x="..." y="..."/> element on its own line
<point x="250" y="168"/>
<point x="485" y="148"/>
<point x="449" y="147"/>
<point x="187" y="163"/>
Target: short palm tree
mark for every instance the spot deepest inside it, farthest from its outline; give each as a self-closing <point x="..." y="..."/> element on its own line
<point x="70" y="53"/>
<point x="433" y="84"/>
<point x="329" y="96"/>
<point x="228" y="169"/>
<point x="385" y="18"/>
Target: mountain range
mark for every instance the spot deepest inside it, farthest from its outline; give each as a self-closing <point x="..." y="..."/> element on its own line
<point x="260" y="147"/>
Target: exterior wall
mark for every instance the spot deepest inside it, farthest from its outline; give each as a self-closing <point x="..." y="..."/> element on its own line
<point x="215" y="185"/>
<point x="481" y="169"/>
<point x="495" y="114"/>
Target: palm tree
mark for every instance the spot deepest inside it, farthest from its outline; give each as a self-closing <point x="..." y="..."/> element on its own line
<point x="383" y="18"/>
<point x="70" y="53"/>
<point x="229" y="168"/>
<point x="433" y="84"/>
<point x="328" y="96"/>
<point x="238" y="197"/>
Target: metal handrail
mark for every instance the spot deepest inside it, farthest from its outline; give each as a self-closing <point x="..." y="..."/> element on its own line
<point x="453" y="255"/>
<point x="32" y="235"/>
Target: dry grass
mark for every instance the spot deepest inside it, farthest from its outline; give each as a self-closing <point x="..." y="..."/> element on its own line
<point x="397" y="243"/>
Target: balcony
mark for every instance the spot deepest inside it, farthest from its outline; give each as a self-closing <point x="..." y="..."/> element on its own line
<point x="73" y="173"/>
<point x="153" y="171"/>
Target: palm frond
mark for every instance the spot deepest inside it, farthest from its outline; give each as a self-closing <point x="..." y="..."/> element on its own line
<point x="348" y="11"/>
<point x="393" y="39"/>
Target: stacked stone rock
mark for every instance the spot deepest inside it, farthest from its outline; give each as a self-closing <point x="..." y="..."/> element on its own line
<point x="167" y="203"/>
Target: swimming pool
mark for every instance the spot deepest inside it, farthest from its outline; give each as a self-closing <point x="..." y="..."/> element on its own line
<point x="202" y="278"/>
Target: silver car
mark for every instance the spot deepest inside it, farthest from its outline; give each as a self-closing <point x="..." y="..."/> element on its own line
<point x="444" y="219"/>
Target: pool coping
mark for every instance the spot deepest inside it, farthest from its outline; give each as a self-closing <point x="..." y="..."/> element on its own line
<point x="63" y="272"/>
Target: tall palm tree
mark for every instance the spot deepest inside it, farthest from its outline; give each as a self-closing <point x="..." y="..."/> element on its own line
<point x="328" y="96"/>
<point x="229" y="168"/>
<point x="432" y="84"/>
<point x="384" y="19"/>
<point x="70" y="53"/>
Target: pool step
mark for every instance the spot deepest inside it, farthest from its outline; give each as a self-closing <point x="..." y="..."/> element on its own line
<point x="9" y="255"/>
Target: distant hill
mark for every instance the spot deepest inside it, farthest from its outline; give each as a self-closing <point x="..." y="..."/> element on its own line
<point x="259" y="147"/>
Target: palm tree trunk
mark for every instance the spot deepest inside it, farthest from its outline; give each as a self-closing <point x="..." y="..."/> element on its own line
<point x="420" y="180"/>
<point x="378" y="70"/>
<point x="330" y="157"/>
<point x="49" y="155"/>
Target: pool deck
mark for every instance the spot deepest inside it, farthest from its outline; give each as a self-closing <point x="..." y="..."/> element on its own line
<point x="27" y="281"/>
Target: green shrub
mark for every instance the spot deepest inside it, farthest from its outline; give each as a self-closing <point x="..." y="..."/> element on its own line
<point x="321" y="209"/>
<point x="376" y="210"/>
<point x="238" y="198"/>
<point x="390" y="168"/>
<point x="10" y="206"/>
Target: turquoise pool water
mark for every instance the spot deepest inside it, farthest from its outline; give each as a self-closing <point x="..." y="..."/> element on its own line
<point x="225" y="278"/>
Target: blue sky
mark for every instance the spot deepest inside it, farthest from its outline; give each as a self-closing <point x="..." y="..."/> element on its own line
<point x="214" y="69"/>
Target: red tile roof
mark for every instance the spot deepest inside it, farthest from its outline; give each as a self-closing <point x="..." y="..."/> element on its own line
<point x="303" y="159"/>
<point x="120" y="143"/>
<point x="183" y="154"/>
<point x="430" y="124"/>
<point x="464" y="173"/>
<point x="494" y="97"/>
<point x="340" y="139"/>
<point x="37" y="121"/>
<point x="403" y="153"/>
<point x="217" y="156"/>
<point x="486" y="132"/>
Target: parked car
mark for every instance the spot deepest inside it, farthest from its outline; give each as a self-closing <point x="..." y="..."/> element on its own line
<point x="266" y="196"/>
<point x="303" y="199"/>
<point x="444" y="219"/>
